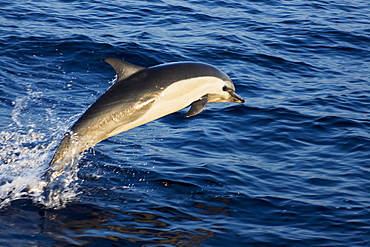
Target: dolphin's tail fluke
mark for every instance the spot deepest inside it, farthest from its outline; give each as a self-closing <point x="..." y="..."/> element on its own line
<point x="63" y="149"/>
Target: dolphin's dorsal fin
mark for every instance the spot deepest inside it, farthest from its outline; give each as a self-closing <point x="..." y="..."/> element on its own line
<point x="197" y="106"/>
<point x="123" y="69"/>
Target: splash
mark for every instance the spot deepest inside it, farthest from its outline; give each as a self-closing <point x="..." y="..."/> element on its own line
<point x="24" y="157"/>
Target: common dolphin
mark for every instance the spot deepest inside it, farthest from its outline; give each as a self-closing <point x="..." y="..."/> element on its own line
<point x="141" y="95"/>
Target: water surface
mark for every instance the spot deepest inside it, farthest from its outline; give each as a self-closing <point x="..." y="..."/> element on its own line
<point x="290" y="167"/>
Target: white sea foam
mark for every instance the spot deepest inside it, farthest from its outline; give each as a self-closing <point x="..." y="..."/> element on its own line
<point x="24" y="157"/>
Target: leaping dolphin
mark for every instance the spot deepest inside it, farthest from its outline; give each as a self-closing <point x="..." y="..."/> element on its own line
<point x="141" y="95"/>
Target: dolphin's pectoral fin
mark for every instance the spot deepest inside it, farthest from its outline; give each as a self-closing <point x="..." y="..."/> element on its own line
<point x="123" y="69"/>
<point x="197" y="106"/>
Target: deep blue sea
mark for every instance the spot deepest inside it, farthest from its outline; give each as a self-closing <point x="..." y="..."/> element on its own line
<point x="289" y="167"/>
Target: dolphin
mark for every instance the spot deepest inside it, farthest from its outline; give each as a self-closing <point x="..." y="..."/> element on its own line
<point x="141" y="95"/>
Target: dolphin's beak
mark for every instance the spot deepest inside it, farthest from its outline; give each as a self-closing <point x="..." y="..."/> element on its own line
<point x="236" y="98"/>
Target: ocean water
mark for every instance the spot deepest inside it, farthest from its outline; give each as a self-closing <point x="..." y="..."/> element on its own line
<point x="289" y="167"/>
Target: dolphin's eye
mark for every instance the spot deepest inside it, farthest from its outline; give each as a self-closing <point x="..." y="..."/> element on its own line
<point x="227" y="89"/>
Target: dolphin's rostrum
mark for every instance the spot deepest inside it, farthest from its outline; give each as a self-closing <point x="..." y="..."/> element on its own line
<point x="142" y="95"/>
